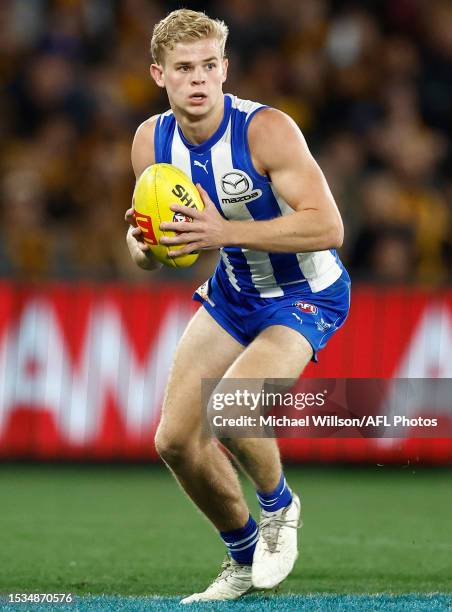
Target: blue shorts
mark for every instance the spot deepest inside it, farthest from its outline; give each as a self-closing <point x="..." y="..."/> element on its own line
<point x="314" y="315"/>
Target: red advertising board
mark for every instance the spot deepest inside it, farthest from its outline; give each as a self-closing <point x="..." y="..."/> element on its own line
<point x="83" y="368"/>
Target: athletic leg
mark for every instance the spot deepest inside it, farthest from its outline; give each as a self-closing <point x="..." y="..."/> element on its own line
<point x="199" y="465"/>
<point x="195" y="458"/>
<point x="278" y="352"/>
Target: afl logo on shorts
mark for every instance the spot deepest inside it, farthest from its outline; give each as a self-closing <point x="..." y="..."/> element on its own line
<point x="235" y="183"/>
<point x="305" y="307"/>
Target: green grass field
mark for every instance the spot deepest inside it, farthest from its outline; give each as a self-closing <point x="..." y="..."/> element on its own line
<point x="129" y="531"/>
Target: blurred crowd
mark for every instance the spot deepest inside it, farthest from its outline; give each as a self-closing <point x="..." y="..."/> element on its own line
<point x="368" y="82"/>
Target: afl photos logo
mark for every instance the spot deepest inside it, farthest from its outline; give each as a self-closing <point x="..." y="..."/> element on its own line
<point x="239" y="187"/>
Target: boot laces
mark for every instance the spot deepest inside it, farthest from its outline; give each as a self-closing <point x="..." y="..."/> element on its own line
<point x="270" y="527"/>
<point x="226" y="571"/>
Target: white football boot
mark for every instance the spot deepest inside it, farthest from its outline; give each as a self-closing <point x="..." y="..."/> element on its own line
<point x="276" y="550"/>
<point x="232" y="582"/>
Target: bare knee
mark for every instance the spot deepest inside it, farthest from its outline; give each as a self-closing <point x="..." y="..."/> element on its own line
<point x="173" y="448"/>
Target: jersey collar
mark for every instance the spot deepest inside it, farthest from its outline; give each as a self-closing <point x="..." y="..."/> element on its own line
<point x="207" y="144"/>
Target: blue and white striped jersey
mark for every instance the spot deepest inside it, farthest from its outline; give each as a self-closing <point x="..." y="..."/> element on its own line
<point x="222" y="165"/>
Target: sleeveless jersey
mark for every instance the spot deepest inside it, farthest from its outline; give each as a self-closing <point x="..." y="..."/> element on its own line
<point x="223" y="166"/>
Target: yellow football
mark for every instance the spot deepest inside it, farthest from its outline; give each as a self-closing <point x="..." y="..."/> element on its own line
<point x="160" y="186"/>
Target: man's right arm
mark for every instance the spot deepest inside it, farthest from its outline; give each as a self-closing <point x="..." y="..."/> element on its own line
<point x="142" y="157"/>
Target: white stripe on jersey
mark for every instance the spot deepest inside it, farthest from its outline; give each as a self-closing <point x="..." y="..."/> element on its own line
<point x="221" y="164"/>
<point x="245" y="106"/>
<point x="319" y="268"/>
<point x="180" y="155"/>
<point x="259" y="262"/>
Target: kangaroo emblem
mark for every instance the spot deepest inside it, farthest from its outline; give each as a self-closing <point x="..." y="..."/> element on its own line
<point x="203" y="166"/>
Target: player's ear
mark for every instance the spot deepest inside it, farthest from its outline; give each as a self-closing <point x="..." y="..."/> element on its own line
<point x="225" y="69"/>
<point x="156" y="71"/>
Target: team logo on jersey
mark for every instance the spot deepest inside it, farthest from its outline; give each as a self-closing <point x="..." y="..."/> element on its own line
<point x="305" y="307"/>
<point x="239" y="187"/>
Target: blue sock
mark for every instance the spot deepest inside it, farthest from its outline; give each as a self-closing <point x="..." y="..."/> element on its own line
<point x="242" y="542"/>
<point x="276" y="499"/>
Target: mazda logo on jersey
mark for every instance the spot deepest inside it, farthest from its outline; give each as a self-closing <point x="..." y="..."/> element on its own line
<point x="235" y="183"/>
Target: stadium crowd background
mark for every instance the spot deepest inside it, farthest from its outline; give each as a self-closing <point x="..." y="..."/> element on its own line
<point x="368" y="82"/>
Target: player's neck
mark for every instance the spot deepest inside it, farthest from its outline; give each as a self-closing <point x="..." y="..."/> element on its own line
<point x="199" y="129"/>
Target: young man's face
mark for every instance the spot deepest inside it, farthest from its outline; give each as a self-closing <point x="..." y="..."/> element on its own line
<point x="193" y="74"/>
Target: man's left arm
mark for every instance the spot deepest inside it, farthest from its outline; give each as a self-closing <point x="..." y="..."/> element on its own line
<point x="279" y="150"/>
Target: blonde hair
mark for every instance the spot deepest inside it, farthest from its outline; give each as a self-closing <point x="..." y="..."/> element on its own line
<point x="185" y="25"/>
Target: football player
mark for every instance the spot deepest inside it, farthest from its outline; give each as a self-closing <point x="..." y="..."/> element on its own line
<point x="270" y="212"/>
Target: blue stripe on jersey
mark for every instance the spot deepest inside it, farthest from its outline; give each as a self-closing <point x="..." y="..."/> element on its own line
<point x="240" y="269"/>
<point x="163" y="138"/>
<point x="202" y="172"/>
<point x="157" y="141"/>
<point x="238" y="120"/>
<point x="286" y="268"/>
